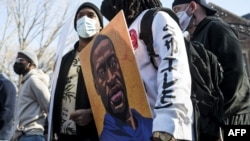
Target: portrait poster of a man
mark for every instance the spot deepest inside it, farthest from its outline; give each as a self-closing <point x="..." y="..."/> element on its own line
<point x="116" y="93"/>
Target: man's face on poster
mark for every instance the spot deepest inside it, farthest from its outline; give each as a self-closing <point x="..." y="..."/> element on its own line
<point x="108" y="78"/>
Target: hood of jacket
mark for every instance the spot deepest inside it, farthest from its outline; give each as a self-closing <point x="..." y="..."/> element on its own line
<point x="215" y="21"/>
<point x="39" y="73"/>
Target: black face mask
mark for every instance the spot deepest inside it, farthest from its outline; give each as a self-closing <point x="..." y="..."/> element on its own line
<point x="19" y="68"/>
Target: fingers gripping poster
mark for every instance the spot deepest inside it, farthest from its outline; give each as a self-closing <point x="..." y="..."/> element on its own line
<point x="115" y="89"/>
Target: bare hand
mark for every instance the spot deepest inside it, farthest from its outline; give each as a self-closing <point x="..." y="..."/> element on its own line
<point x="82" y="116"/>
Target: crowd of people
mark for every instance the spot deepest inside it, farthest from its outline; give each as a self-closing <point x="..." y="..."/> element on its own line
<point x="25" y="117"/>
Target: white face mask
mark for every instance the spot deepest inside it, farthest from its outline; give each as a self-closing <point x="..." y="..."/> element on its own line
<point x="86" y="27"/>
<point x="184" y="19"/>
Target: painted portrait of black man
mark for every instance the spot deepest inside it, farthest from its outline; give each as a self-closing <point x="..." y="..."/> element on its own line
<point x="116" y="93"/>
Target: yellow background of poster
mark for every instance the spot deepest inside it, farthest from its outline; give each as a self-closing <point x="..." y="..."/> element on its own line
<point x="117" y="31"/>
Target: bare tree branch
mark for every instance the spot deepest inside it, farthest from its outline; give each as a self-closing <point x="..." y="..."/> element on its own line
<point x="34" y="25"/>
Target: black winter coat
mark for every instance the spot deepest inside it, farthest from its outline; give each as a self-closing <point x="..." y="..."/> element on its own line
<point x="7" y="107"/>
<point x="82" y="101"/>
<point x="218" y="37"/>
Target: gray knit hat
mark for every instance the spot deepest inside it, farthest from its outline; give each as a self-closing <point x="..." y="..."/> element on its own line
<point x="31" y="55"/>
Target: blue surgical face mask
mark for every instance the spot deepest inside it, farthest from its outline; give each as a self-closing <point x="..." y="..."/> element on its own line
<point x="86" y="27"/>
<point x="184" y="19"/>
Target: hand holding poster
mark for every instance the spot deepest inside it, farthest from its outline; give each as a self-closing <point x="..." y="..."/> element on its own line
<point x="115" y="89"/>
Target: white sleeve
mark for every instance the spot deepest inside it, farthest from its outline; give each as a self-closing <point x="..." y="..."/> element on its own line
<point x="173" y="108"/>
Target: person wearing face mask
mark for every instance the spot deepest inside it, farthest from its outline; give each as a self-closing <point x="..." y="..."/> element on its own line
<point x="72" y="118"/>
<point x="168" y="87"/>
<point x="33" y="99"/>
<point x="218" y="37"/>
<point x="184" y="18"/>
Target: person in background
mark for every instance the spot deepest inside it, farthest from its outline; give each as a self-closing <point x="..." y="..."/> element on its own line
<point x="196" y="17"/>
<point x="168" y="87"/>
<point x="33" y="98"/>
<point x="120" y="122"/>
<point x="72" y="118"/>
<point x="7" y="107"/>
